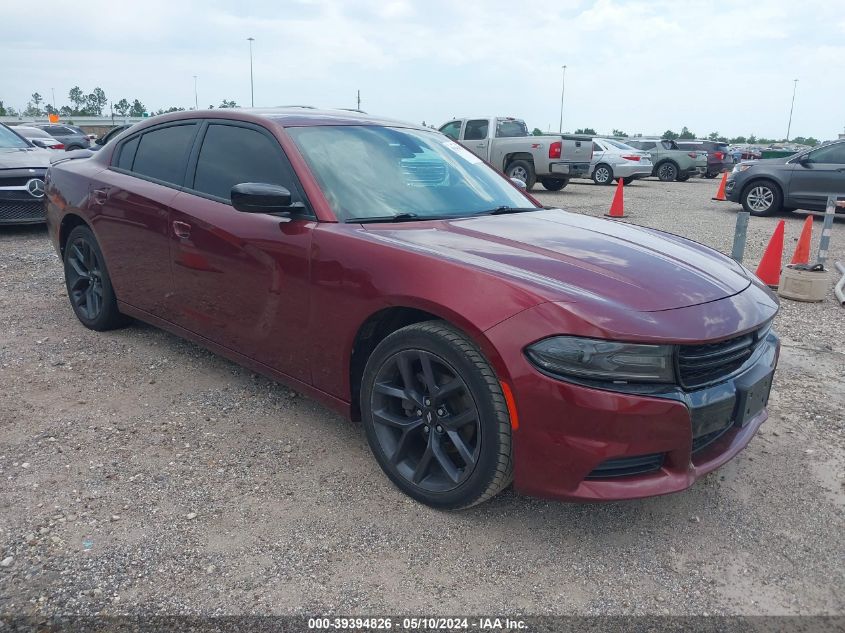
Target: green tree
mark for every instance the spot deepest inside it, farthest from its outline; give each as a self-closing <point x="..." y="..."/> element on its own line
<point x="137" y="108"/>
<point x="227" y="104"/>
<point x="585" y="130"/>
<point x="739" y="139"/>
<point x="617" y="132"/>
<point x="670" y="135"/>
<point x="713" y="136"/>
<point x="95" y="102"/>
<point x="36" y="101"/>
<point x="3" y="109"/>
<point x="686" y="134"/>
<point x="122" y="107"/>
<point x="752" y="139"/>
<point x="77" y="98"/>
<point x="537" y="132"/>
<point x="49" y="109"/>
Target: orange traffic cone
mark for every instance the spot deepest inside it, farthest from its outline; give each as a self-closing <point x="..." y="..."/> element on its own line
<point x="617" y="207"/>
<point x="720" y="195"/>
<point x="769" y="268"/>
<point x="802" y="251"/>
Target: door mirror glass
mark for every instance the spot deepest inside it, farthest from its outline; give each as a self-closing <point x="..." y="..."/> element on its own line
<point x="259" y="197"/>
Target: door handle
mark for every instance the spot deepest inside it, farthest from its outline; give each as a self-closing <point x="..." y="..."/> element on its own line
<point x="480" y="145"/>
<point x="99" y="196"/>
<point x="181" y="229"/>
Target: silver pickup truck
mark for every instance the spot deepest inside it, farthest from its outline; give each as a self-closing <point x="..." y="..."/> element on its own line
<point x="505" y="143"/>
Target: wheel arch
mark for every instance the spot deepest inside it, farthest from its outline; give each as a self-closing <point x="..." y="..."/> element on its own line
<point x="509" y="158"/>
<point x="763" y="178"/>
<point x="69" y="222"/>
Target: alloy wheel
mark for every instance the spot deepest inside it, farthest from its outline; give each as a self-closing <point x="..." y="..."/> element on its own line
<point x="85" y="279"/>
<point x="602" y="175"/>
<point x="519" y="173"/>
<point x="667" y="172"/>
<point x="760" y="198"/>
<point x="426" y="421"/>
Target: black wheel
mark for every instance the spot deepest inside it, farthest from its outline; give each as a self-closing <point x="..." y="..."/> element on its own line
<point x="88" y="285"/>
<point x="711" y="174"/>
<point x="682" y="177"/>
<point x="603" y="174"/>
<point x="524" y="171"/>
<point x="666" y="171"/>
<point x="628" y="180"/>
<point x="435" y="416"/>
<point x="761" y="197"/>
<point x="554" y="184"/>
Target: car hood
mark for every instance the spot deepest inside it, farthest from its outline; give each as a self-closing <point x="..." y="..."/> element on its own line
<point x="22" y="158"/>
<point x="576" y="258"/>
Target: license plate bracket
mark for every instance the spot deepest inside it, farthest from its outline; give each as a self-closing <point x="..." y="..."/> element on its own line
<point x="752" y="395"/>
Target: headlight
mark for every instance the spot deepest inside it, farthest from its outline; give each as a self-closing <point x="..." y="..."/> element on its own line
<point x="595" y="359"/>
<point x="742" y="167"/>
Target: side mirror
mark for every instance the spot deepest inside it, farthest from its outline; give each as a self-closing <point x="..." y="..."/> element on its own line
<point x="519" y="183"/>
<point x="805" y="160"/>
<point x="259" y="197"/>
<point x="99" y="141"/>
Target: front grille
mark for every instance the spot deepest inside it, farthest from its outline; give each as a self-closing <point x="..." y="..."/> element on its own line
<point x="420" y="173"/>
<point x="627" y="466"/>
<point x="699" y="365"/>
<point x="24" y="211"/>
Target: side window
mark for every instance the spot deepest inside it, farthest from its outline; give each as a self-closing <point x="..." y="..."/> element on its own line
<point x="231" y="155"/>
<point x="476" y="130"/>
<point x="648" y="146"/>
<point x="163" y="153"/>
<point x="597" y="147"/>
<point x="834" y="154"/>
<point x="127" y="154"/>
<point x="452" y="130"/>
<point x="57" y="130"/>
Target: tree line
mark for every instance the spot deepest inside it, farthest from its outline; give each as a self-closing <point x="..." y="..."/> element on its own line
<point x="94" y="103"/>
<point x="687" y="134"/>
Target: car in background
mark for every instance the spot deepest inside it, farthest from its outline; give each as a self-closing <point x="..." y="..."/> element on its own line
<point x="385" y="270"/>
<point x="614" y="160"/>
<point x="22" y="170"/>
<point x="105" y="138"/>
<point x="39" y="137"/>
<point x="72" y="136"/>
<point x="719" y="158"/>
<point x="800" y="181"/>
<point x="670" y="161"/>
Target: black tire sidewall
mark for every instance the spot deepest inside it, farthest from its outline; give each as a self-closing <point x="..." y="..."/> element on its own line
<point x="661" y="165"/>
<point x="485" y="468"/>
<point x="553" y="184"/>
<point x="529" y="169"/>
<point x="109" y="316"/>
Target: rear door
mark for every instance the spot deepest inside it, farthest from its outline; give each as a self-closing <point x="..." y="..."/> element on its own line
<point x="242" y="279"/>
<point x="824" y="174"/>
<point x="598" y="153"/>
<point x="131" y="206"/>
<point x="477" y="137"/>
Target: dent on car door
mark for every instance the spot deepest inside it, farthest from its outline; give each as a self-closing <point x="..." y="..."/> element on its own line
<point x="813" y="181"/>
<point x="130" y="205"/>
<point x="242" y="279"/>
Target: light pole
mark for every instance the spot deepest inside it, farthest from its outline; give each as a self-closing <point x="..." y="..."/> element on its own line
<point x="562" y="91"/>
<point x="196" y="100"/>
<point x="792" y="107"/>
<point x="251" y="84"/>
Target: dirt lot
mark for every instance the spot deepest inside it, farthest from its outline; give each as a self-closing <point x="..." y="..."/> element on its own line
<point x="140" y="473"/>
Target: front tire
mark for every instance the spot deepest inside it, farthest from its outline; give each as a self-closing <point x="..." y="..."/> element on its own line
<point x="435" y="416"/>
<point x="667" y="171"/>
<point x="603" y="174"/>
<point x="522" y="170"/>
<point x="88" y="284"/>
<point x="761" y="198"/>
<point x="554" y="184"/>
<point x="682" y="177"/>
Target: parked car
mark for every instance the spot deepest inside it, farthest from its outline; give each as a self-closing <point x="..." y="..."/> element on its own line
<point x="112" y="133"/>
<point x="719" y="159"/>
<point x="390" y="273"/>
<point x="801" y="181"/>
<point x="38" y="137"/>
<point x="73" y="137"/>
<point x="670" y="161"/>
<point x="22" y="169"/>
<point x="505" y="143"/>
<point x="612" y="159"/>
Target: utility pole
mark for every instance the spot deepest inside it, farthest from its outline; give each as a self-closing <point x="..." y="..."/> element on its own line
<point x="251" y="84"/>
<point x="562" y="91"/>
<point x="196" y="100"/>
<point x="53" y="90"/>
<point x="791" y="108"/>
<point x="359" y="99"/>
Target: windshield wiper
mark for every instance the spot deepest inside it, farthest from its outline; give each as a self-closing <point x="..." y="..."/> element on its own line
<point x="399" y="217"/>
<point x="505" y="209"/>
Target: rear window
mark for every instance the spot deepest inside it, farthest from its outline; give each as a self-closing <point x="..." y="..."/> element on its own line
<point x="163" y="153"/>
<point x="511" y="128"/>
<point x="616" y="144"/>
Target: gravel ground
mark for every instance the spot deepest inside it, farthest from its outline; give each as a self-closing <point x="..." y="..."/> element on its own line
<point x="143" y="474"/>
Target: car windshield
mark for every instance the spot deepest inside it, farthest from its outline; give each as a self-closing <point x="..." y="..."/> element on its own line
<point x="380" y="172"/>
<point x="10" y="140"/>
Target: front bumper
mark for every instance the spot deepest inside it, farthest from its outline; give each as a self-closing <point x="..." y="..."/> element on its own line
<point x="573" y="170"/>
<point x="575" y="442"/>
<point x="17" y="204"/>
<point x="732" y="188"/>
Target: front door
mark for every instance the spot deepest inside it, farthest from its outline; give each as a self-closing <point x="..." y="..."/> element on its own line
<point x="821" y="175"/>
<point x="242" y="279"/>
<point x="476" y="139"/>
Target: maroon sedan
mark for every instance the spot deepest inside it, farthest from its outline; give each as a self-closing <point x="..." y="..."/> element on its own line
<point x="384" y="270"/>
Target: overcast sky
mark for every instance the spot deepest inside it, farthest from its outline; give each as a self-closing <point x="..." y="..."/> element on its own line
<point x="642" y="66"/>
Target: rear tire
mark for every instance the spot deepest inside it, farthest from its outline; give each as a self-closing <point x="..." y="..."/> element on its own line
<point x="88" y="284"/>
<point x="554" y="184"/>
<point x="761" y="198"/>
<point x="522" y="170"/>
<point x="711" y="174"/>
<point x="436" y="418"/>
<point x="682" y="177"/>
<point x="603" y="174"/>
<point x="666" y="171"/>
<point x="628" y="180"/>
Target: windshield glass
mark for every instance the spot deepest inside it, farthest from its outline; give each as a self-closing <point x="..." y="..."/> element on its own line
<point x="374" y="172"/>
<point x="10" y="140"/>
